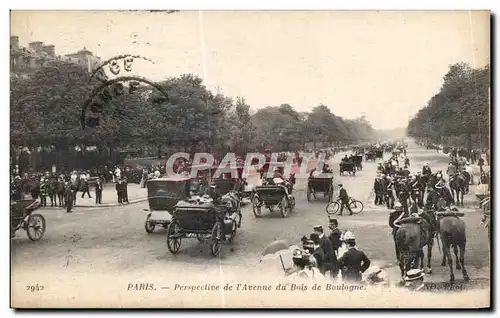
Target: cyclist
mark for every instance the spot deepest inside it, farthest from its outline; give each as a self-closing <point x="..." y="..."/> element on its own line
<point x="344" y="199"/>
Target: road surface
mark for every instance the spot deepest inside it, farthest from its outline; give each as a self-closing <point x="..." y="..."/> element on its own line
<point x="88" y="258"/>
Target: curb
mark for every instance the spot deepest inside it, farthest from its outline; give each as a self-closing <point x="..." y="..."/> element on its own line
<point x="110" y="205"/>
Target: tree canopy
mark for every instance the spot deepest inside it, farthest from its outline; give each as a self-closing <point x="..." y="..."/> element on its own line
<point x="459" y="112"/>
<point x="46" y="107"/>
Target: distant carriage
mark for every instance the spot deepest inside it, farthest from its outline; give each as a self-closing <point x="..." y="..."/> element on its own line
<point x="320" y="184"/>
<point x="358" y="162"/>
<point x="271" y="197"/>
<point x="370" y="156"/>
<point x="347" y="166"/>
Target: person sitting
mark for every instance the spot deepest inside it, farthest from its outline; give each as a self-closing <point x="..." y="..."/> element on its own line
<point x="302" y="266"/>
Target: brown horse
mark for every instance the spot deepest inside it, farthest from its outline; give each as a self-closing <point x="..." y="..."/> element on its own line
<point x="452" y="233"/>
<point x="410" y="239"/>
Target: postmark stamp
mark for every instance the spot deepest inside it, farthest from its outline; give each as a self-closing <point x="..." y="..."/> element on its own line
<point x="115" y="79"/>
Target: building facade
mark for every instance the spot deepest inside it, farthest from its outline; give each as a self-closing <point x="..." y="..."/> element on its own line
<point x="27" y="60"/>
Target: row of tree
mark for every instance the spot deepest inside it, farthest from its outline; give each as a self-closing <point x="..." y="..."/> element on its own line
<point x="46" y="112"/>
<point x="459" y="114"/>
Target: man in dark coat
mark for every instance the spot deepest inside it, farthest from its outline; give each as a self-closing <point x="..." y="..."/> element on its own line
<point x="378" y="188"/>
<point x="330" y="261"/>
<point x="98" y="191"/>
<point x="354" y="262"/>
<point x="318" y="253"/>
<point x="335" y="235"/>
<point x="125" y="190"/>
<point x="69" y="196"/>
<point x="119" y="191"/>
<point x="344" y="198"/>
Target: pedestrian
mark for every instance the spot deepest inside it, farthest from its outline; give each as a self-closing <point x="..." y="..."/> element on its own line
<point x="119" y="191"/>
<point x="378" y="188"/>
<point x="43" y="193"/>
<point x="335" y="235"/>
<point x="98" y="191"/>
<point x="86" y="187"/>
<point x="330" y="260"/>
<point x="389" y="194"/>
<point x="69" y="196"/>
<point x="344" y="199"/>
<point x="354" y="262"/>
<point x="125" y="189"/>
<point x="318" y="253"/>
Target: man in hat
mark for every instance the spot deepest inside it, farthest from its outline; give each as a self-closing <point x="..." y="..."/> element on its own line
<point x="344" y="200"/>
<point x="378" y="188"/>
<point x="335" y="235"/>
<point x="318" y="253"/>
<point x="414" y="280"/>
<point x="426" y="170"/>
<point x="330" y="260"/>
<point x="354" y="262"/>
<point x="98" y="191"/>
<point x="389" y="194"/>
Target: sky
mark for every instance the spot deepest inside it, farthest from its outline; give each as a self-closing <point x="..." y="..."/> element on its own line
<point x="385" y="65"/>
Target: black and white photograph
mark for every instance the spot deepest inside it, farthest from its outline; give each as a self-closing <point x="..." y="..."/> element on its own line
<point x="250" y="159"/>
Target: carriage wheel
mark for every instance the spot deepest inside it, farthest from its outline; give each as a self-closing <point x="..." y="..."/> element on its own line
<point x="216" y="239"/>
<point x="284" y="207"/>
<point x="234" y="228"/>
<point x="174" y="239"/>
<point x="36" y="227"/>
<point x="356" y="206"/>
<point x="332" y="208"/>
<point x="149" y="226"/>
<point x="256" y="207"/>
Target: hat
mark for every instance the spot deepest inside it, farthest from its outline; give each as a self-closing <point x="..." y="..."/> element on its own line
<point x="439" y="185"/>
<point x="414" y="274"/>
<point x="315" y="238"/>
<point x="349" y="236"/>
<point x="398" y="206"/>
<point x="334" y="221"/>
<point x="426" y="163"/>
<point x="318" y="228"/>
<point x="341" y="185"/>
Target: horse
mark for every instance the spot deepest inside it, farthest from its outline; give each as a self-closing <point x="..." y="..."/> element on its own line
<point x="410" y="238"/>
<point x="453" y="234"/>
<point x="458" y="184"/>
<point x="232" y="200"/>
<point x="468" y="179"/>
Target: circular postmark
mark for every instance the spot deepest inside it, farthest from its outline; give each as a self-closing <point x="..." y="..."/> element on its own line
<point x="115" y="80"/>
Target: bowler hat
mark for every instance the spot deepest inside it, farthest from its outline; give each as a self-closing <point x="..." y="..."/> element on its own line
<point x="318" y="228"/>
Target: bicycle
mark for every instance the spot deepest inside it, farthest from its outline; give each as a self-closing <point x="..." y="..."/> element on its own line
<point x="334" y="207"/>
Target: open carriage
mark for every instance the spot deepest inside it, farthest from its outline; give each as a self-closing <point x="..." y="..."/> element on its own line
<point x="22" y="217"/>
<point x="203" y="220"/>
<point x="272" y="196"/>
<point x="322" y="183"/>
<point x="370" y="156"/>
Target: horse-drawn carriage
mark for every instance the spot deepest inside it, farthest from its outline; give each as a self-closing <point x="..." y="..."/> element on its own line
<point x="358" y="161"/>
<point x="370" y="156"/>
<point x="347" y="166"/>
<point x="272" y="196"/>
<point x="202" y="219"/>
<point x="320" y="183"/>
<point x="22" y="217"/>
<point x="163" y="195"/>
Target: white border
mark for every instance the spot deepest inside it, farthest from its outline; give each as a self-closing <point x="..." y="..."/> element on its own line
<point x="187" y="4"/>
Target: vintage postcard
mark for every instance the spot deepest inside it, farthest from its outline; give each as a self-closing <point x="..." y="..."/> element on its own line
<point x="250" y="159"/>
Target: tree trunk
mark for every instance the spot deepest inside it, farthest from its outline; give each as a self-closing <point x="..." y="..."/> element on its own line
<point x="158" y="153"/>
<point x="469" y="142"/>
